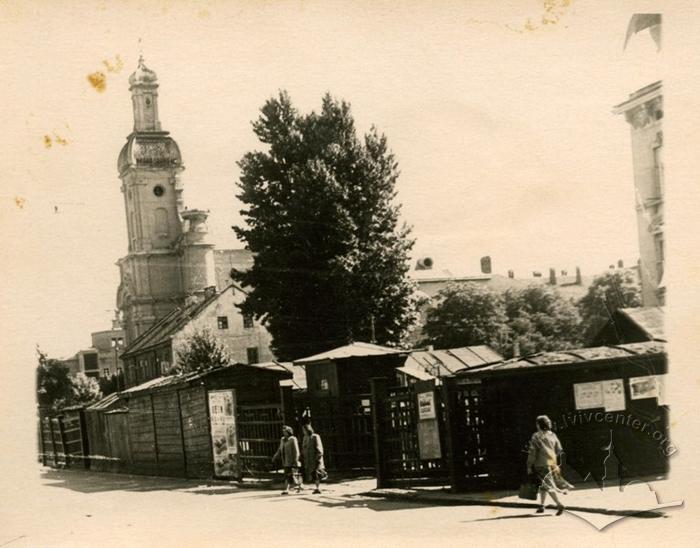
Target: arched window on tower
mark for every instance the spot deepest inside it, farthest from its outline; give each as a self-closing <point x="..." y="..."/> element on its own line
<point x="161" y="222"/>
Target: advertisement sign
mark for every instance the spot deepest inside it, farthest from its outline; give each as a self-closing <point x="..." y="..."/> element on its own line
<point x="661" y="389"/>
<point x="428" y="429"/>
<point x="589" y="395"/>
<point x="614" y="395"/>
<point x="426" y="405"/>
<point x="224" y="438"/>
<point x="643" y="387"/>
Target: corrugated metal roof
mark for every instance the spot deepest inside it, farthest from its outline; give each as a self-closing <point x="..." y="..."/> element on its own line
<point x="358" y="349"/>
<point x="445" y="363"/>
<point x="412" y="369"/>
<point x="575" y="356"/>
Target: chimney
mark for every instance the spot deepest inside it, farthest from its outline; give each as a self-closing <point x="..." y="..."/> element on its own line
<point x="564" y="273"/>
<point x="426" y="263"/>
<point x="537" y="274"/>
<point x="552" y="277"/>
<point x="486" y="265"/>
<point x="612" y="267"/>
<point x="511" y="274"/>
<point x="579" y="281"/>
<point x="620" y="264"/>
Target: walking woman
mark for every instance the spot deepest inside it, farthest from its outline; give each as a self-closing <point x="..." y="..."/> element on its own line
<point x="288" y="455"/>
<point x="543" y="459"/>
<point x="312" y="457"/>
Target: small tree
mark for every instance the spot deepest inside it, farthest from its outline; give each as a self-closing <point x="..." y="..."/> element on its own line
<point x="84" y="390"/>
<point x="540" y="319"/>
<point x="466" y="315"/>
<point x="200" y="351"/>
<point x="607" y="293"/>
<point x="53" y="382"/>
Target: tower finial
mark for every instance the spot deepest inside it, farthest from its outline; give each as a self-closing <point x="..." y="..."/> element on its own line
<point x="141" y="61"/>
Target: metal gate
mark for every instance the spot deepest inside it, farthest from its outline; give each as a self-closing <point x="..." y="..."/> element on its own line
<point x="259" y="434"/>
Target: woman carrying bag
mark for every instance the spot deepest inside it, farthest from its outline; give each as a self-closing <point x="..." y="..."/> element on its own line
<point x="543" y="461"/>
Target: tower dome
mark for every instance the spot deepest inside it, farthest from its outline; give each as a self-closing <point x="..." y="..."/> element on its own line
<point x="143" y="75"/>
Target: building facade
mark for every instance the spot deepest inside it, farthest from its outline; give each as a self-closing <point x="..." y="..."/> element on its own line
<point x="644" y="113"/>
<point x="101" y="359"/>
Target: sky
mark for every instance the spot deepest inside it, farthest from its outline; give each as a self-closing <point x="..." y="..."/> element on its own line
<point x="502" y="127"/>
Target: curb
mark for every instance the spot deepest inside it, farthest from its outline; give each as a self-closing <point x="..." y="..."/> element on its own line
<point x="418" y="498"/>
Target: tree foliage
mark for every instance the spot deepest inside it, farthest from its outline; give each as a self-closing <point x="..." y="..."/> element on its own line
<point x="466" y="315"/>
<point x="53" y="382"/>
<point x="57" y="389"/>
<point x="607" y="293"/>
<point x="540" y="319"/>
<point x="200" y="351"/>
<point x="84" y="390"/>
<point x="529" y="320"/>
<point x="330" y="257"/>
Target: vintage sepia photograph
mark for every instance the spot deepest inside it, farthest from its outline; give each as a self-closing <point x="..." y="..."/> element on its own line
<point x="347" y="273"/>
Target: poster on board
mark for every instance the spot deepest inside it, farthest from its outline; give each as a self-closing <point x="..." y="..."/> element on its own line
<point x="643" y="387"/>
<point x="588" y="395"/>
<point x="614" y="395"/>
<point x="426" y="405"/>
<point x="661" y="389"/>
<point x="224" y="438"/>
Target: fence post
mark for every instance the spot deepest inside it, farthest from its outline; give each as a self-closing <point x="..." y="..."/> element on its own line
<point x="454" y="454"/>
<point x="379" y="394"/>
<point x="62" y="434"/>
<point x="287" y="404"/>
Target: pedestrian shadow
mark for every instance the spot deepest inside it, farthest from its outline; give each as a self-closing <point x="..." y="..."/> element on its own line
<point x="516" y="516"/>
<point x="358" y="501"/>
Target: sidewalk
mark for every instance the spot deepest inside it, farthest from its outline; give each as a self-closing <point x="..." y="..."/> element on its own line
<point x="638" y="499"/>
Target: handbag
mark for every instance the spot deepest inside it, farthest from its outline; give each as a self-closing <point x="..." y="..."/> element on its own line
<point x="529" y="488"/>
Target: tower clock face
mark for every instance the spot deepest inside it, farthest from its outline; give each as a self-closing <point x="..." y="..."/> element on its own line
<point x="158" y="190"/>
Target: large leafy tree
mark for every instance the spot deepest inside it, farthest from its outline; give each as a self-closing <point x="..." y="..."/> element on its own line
<point x="540" y="319"/>
<point x="466" y="315"/>
<point x="607" y="293"/>
<point x="330" y="256"/>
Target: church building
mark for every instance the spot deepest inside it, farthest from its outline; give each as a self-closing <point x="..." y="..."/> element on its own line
<point x="171" y="262"/>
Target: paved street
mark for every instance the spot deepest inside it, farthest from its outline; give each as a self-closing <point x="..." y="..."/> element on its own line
<point x="73" y="508"/>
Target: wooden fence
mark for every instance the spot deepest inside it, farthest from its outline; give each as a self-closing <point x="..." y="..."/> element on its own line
<point x="63" y="440"/>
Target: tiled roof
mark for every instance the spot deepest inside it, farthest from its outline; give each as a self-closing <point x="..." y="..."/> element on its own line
<point x="575" y="356"/>
<point x="105" y="403"/>
<point x="167" y="326"/>
<point x="358" y="349"/>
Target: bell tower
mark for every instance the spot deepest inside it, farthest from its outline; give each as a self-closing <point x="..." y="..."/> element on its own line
<point x="149" y="167"/>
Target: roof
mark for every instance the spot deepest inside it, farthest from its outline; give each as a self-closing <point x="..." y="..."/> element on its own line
<point x="445" y="363"/>
<point x="167" y="326"/>
<point x="169" y="381"/>
<point x="298" y="380"/>
<point x="429" y="275"/>
<point x="580" y="356"/>
<point x="412" y="369"/>
<point x="649" y="319"/>
<point x="105" y="403"/>
<point x="354" y="350"/>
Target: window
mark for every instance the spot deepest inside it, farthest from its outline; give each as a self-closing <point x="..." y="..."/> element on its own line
<point x="323" y="384"/>
<point x="158" y="190"/>
<point x="222" y="322"/>
<point x="248" y="321"/>
<point x="659" y="245"/>
<point x="90" y="361"/>
<point x="252" y="354"/>
<point x="161" y="218"/>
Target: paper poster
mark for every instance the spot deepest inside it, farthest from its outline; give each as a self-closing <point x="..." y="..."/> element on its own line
<point x="661" y="389"/>
<point x="643" y="387"/>
<point x="223" y="432"/>
<point x="426" y="405"/>
<point x="614" y="395"/>
<point x="588" y="395"/>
